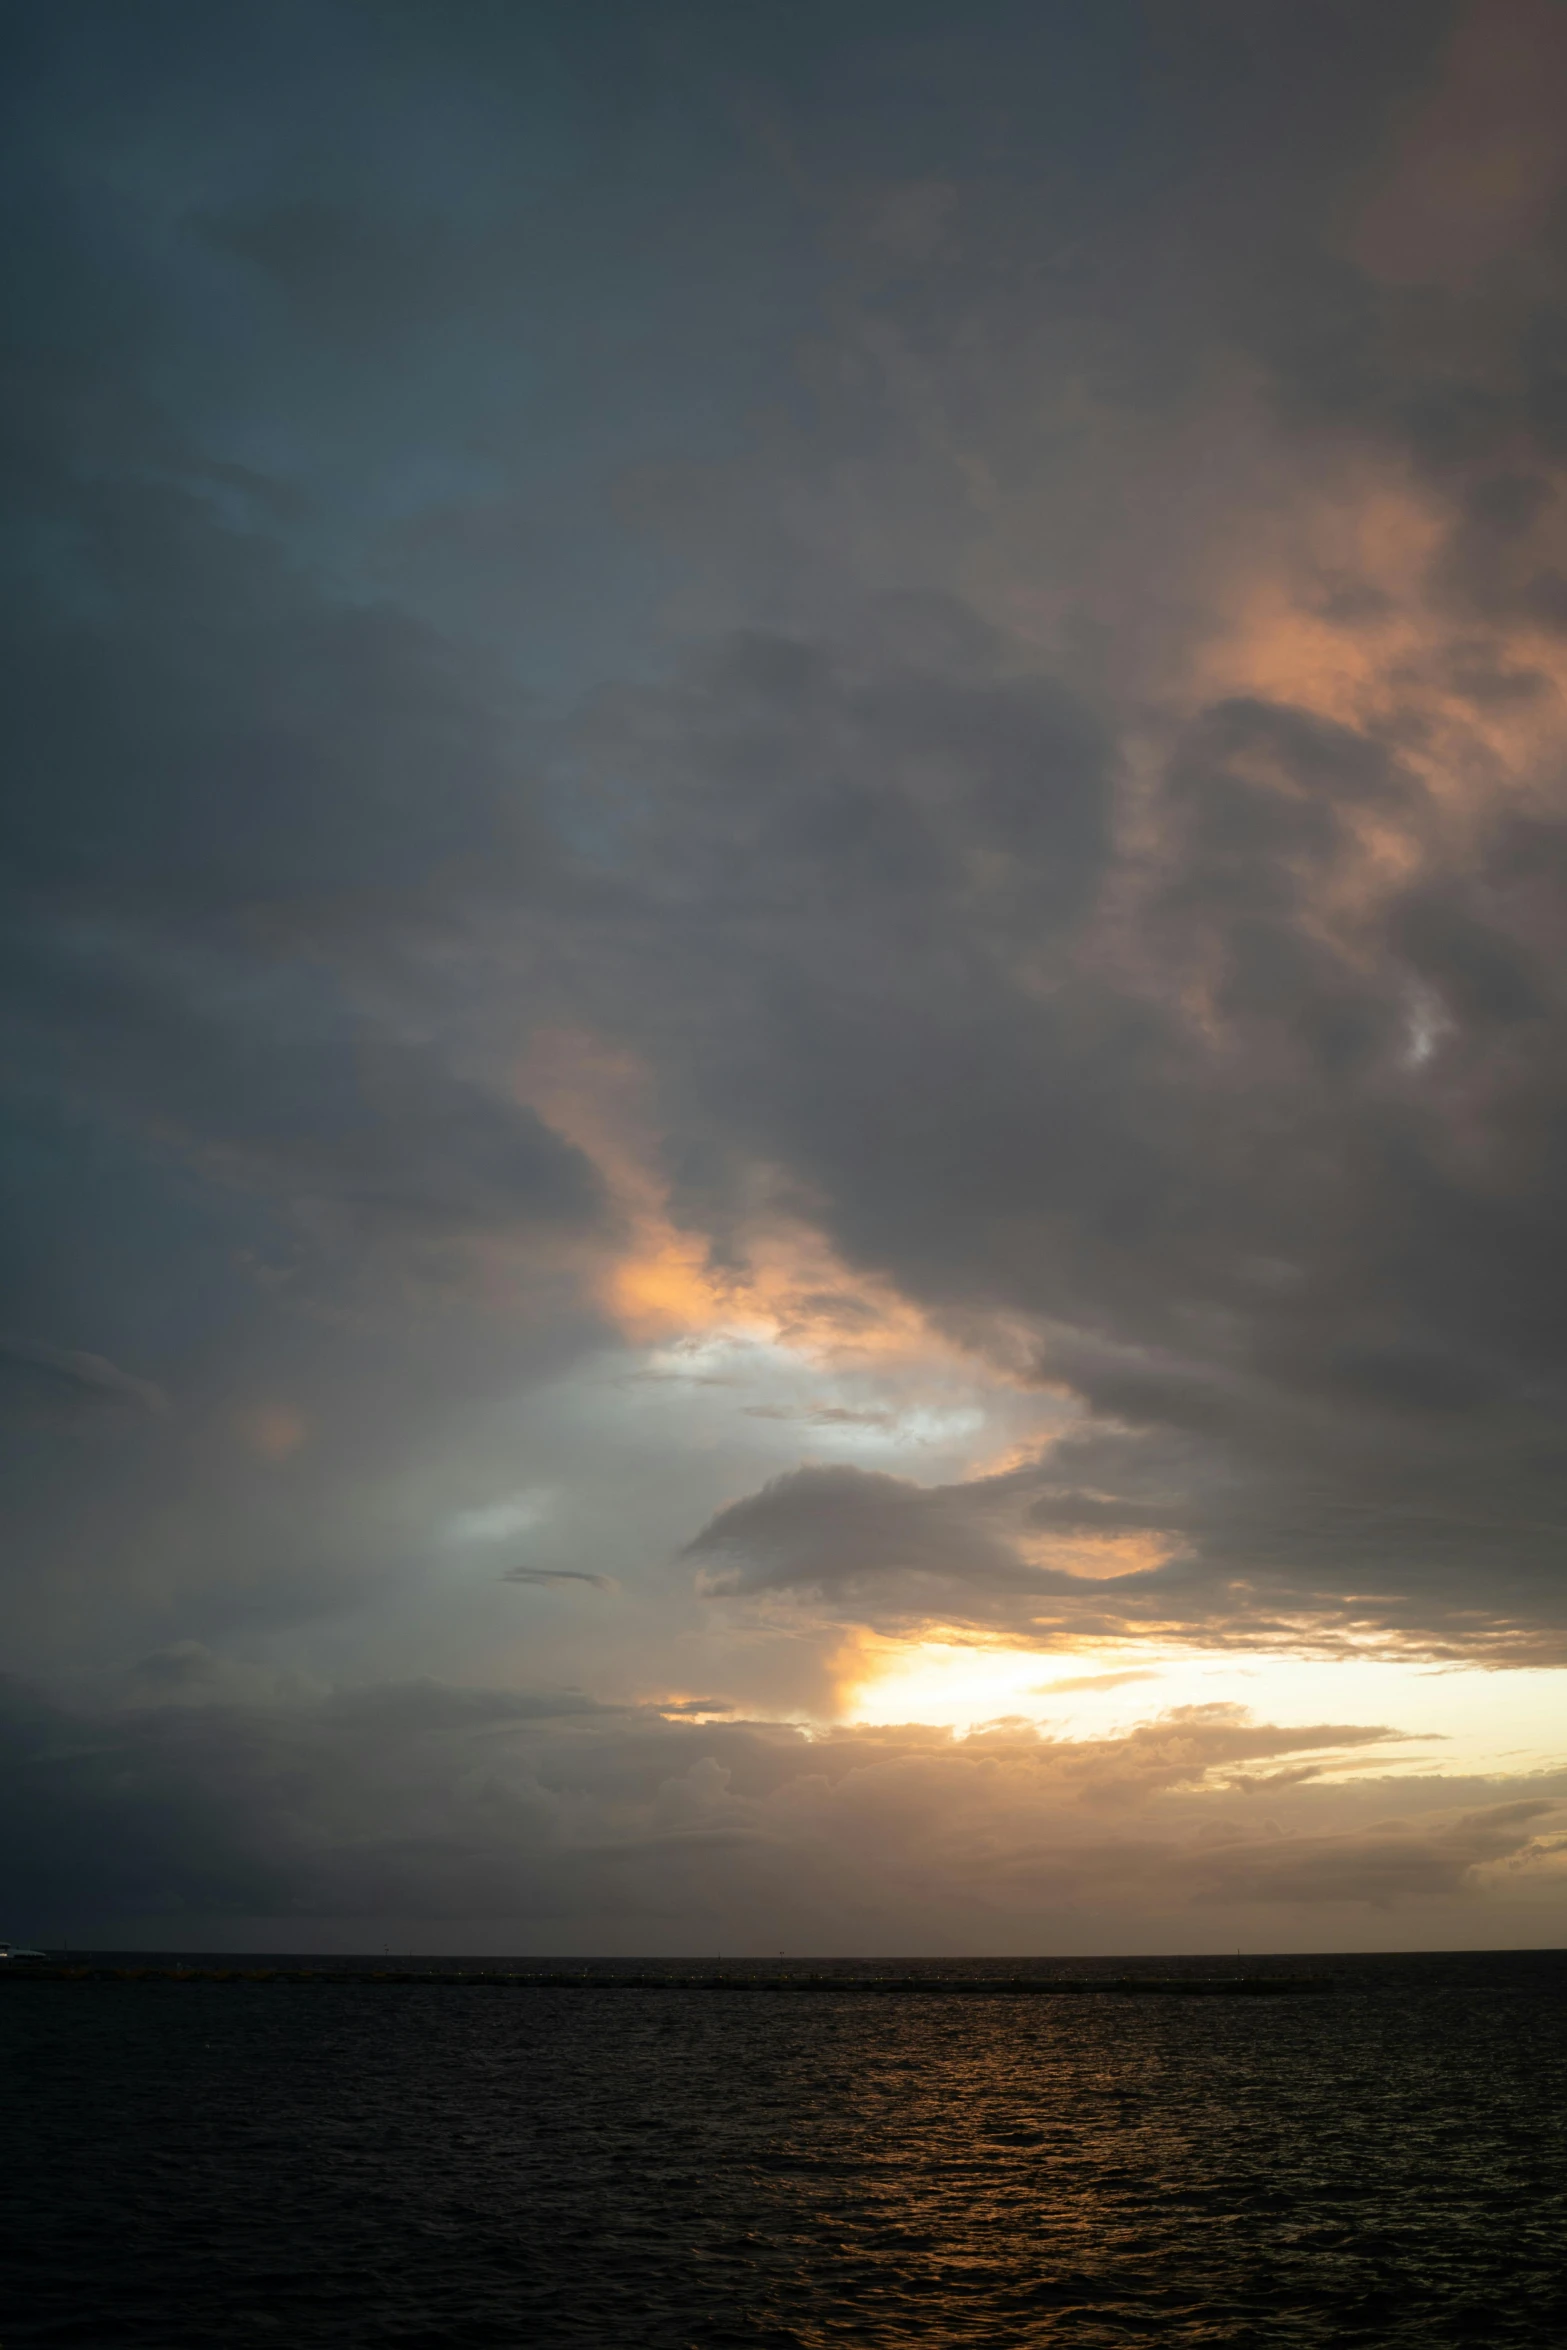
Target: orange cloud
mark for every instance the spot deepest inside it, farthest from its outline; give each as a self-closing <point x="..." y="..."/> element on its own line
<point x="664" y="1280"/>
<point x="1099" y="1558"/>
<point x="1359" y="602"/>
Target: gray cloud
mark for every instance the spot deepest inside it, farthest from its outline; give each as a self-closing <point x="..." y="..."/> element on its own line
<point x="58" y="1379"/>
<point x="1382" y="1864"/>
<point x="554" y="1818"/>
<point x="824" y="1529"/>
<point x="546" y="1575"/>
<point x="1255" y="1204"/>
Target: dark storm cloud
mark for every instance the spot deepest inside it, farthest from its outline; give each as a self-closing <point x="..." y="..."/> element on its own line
<point x="224" y="1806"/>
<point x="827" y="1530"/>
<point x="1270" y="1148"/>
<point x="200" y="1803"/>
<point x="1281" y="1191"/>
<point x="848" y="852"/>
<point x="235" y="781"/>
<point x="258" y="1075"/>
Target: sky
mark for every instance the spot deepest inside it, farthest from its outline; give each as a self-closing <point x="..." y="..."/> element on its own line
<point x="783" y="904"/>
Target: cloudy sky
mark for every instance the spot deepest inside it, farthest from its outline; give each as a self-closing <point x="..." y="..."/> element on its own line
<point x="784" y="930"/>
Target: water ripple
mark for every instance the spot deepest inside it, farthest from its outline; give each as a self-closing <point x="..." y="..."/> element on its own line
<point x="409" y="2165"/>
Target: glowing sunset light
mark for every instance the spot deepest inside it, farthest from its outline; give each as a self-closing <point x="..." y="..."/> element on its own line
<point x="1456" y="1719"/>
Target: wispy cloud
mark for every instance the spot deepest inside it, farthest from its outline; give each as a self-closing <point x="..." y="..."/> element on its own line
<point x="547" y="1575"/>
<point x="1092" y="1681"/>
<point x="65" y="1379"/>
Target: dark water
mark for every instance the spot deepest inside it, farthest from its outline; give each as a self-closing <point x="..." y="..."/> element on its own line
<point x="344" y="2165"/>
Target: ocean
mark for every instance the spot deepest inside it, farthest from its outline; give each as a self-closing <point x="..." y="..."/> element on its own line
<point x="679" y="2166"/>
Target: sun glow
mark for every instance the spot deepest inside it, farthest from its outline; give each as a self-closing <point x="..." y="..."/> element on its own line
<point x="1449" y="1718"/>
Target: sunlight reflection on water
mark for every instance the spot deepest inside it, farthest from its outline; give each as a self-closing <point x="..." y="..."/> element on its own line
<point x="355" y="2166"/>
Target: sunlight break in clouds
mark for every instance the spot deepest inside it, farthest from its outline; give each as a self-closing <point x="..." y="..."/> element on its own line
<point x="1455" y="1720"/>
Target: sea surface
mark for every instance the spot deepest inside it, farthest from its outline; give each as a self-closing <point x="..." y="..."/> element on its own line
<point x="351" y="2164"/>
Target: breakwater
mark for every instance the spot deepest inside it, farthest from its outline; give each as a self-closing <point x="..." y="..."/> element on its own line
<point x="746" y="1985"/>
